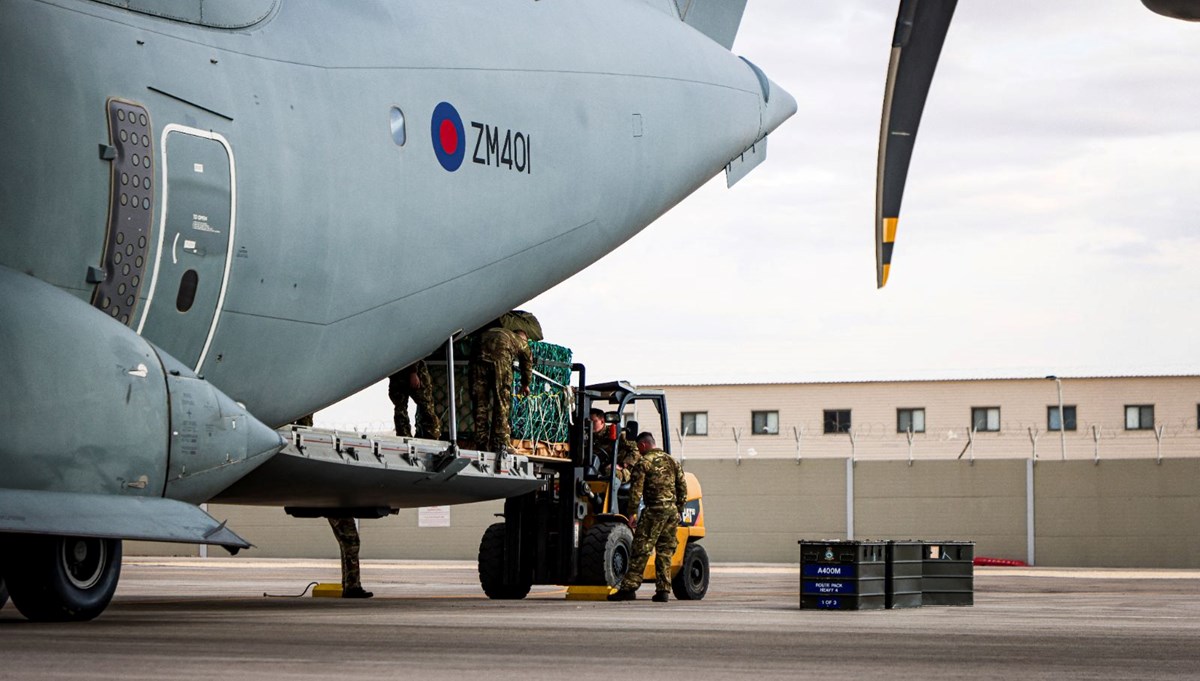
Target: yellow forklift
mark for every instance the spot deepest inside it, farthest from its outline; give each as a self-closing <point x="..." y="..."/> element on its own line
<point x="575" y="531"/>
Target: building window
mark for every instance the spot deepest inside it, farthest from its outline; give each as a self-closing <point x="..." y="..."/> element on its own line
<point x="910" y="419"/>
<point x="1139" y="417"/>
<point x="1052" y="420"/>
<point x="837" y="420"/>
<point x="694" y="423"/>
<point x="764" y="422"/>
<point x="985" y="419"/>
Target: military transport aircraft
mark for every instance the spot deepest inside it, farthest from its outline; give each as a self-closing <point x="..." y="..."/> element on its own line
<point x="221" y="215"/>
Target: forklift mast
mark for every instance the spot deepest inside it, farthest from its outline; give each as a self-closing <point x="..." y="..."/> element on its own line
<point x="543" y="527"/>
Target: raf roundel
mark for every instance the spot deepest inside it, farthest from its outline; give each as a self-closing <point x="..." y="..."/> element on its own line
<point x="449" y="138"/>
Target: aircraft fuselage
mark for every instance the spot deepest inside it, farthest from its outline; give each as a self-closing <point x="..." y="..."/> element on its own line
<point x="294" y="250"/>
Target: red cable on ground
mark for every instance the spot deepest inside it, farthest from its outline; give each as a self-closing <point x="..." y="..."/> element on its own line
<point x="999" y="562"/>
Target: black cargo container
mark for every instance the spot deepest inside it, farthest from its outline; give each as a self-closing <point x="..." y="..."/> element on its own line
<point x="905" y="570"/>
<point x="948" y="573"/>
<point x="843" y="575"/>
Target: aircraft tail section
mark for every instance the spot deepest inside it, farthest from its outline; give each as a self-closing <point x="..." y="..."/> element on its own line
<point x="717" y="19"/>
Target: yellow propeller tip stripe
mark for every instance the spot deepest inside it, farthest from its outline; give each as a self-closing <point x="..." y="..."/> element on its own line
<point x="886" y="270"/>
<point x="889" y="229"/>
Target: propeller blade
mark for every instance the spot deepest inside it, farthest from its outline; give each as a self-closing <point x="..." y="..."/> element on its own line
<point x="920" y="31"/>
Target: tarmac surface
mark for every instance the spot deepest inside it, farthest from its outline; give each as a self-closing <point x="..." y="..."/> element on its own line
<point x="193" y="618"/>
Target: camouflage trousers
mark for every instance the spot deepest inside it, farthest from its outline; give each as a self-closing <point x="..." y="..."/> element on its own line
<point x="655" y="532"/>
<point x="400" y="390"/>
<point x="491" y="397"/>
<point x="347" y="538"/>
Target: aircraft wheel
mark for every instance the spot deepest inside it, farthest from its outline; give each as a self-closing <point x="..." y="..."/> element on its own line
<point x="605" y="552"/>
<point x="492" y="568"/>
<point x="691" y="582"/>
<point x="61" y="579"/>
<point x="3" y="593"/>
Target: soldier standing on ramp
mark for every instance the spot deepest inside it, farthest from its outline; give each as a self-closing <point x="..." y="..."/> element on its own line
<point x="491" y="385"/>
<point x="658" y="480"/>
<point x="414" y="381"/>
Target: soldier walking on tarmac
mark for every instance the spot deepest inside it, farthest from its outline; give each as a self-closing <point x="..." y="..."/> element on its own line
<point x="658" y="481"/>
<point x="491" y="384"/>
<point x="414" y="381"/>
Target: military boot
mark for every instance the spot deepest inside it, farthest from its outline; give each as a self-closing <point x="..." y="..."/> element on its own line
<point x="356" y="592"/>
<point x="624" y="595"/>
<point x="660" y="597"/>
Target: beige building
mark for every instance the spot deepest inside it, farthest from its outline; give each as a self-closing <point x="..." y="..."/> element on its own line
<point x="972" y="476"/>
<point x="1109" y="417"/>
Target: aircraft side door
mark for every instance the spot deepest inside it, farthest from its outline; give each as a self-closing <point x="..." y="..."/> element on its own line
<point x="195" y="241"/>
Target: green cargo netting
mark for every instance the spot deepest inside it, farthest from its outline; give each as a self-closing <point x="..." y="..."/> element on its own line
<point x="543" y="416"/>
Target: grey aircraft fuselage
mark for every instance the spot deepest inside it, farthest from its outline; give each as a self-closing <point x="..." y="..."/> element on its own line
<point x="334" y="256"/>
<point x="235" y="212"/>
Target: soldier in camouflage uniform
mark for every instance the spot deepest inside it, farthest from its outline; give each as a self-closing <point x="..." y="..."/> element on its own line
<point x="346" y="532"/>
<point x="602" y="448"/>
<point x="414" y="381"/>
<point x="491" y="385"/>
<point x="658" y="481"/>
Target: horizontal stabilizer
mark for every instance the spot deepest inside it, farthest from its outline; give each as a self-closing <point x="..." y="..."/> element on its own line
<point x="717" y="19"/>
<point x="110" y="516"/>
<point x="916" y="45"/>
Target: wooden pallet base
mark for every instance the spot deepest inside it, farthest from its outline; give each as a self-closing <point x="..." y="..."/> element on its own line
<point x="553" y="450"/>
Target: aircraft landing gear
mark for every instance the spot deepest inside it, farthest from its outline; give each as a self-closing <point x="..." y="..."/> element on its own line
<point x="60" y="579"/>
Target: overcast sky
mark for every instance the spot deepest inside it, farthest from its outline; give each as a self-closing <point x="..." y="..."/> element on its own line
<point x="1051" y="222"/>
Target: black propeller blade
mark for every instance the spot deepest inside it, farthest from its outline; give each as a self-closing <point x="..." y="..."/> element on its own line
<point x="920" y="31"/>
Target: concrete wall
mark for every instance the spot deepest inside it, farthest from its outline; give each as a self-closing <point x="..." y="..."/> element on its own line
<point x="1121" y="513"/>
<point x="758" y="510"/>
<point x="984" y="503"/>
<point x="1118" y="513"/>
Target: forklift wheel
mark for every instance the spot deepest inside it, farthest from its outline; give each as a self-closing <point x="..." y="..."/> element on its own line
<point x="491" y="567"/>
<point x="691" y="582"/>
<point x="604" y="554"/>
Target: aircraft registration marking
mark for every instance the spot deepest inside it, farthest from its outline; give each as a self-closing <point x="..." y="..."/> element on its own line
<point x="495" y="146"/>
<point x="514" y="153"/>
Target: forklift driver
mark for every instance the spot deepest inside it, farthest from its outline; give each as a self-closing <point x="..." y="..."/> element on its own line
<point x="603" y="439"/>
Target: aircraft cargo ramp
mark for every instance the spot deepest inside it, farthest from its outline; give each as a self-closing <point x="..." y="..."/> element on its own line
<point x="324" y="469"/>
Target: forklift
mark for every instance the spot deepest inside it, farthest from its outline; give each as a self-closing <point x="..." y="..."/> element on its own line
<point x="575" y="530"/>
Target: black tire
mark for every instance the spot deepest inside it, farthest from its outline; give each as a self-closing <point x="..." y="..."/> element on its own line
<point x="491" y="567"/>
<point x="605" y="552"/>
<point x="61" y="579"/>
<point x="691" y="582"/>
<point x="3" y="593"/>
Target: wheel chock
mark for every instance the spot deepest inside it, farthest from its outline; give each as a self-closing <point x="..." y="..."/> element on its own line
<point x="580" y="592"/>
<point x="327" y="590"/>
